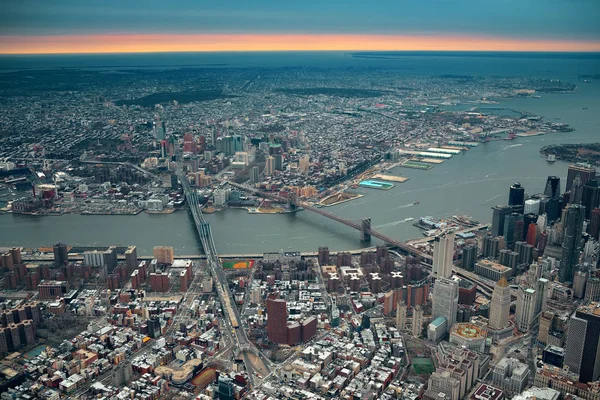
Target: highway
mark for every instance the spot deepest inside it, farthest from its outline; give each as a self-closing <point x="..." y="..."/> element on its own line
<point x="256" y="364"/>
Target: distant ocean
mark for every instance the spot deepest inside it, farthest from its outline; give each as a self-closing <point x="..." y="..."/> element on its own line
<point x="543" y="65"/>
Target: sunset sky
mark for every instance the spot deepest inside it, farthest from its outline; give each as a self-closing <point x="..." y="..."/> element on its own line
<point x="108" y="26"/>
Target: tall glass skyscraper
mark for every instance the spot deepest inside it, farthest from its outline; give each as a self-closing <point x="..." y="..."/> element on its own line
<point x="573" y="227"/>
<point x="516" y="197"/>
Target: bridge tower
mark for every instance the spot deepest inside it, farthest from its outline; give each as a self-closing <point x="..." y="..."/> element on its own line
<point x="365" y="229"/>
<point x="292" y="201"/>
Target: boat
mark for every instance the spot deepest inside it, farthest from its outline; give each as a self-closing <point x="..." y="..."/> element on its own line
<point x="465" y="220"/>
<point x="416" y="203"/>
<point x="551" y="158"/>
<point x="409" y="219"/>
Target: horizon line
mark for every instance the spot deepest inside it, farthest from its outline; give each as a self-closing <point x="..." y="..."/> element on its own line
<point x="347" y="51"/>
<point x="235" y="43"/>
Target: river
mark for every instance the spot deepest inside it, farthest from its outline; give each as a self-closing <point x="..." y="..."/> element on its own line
<point x="470" y="183"/>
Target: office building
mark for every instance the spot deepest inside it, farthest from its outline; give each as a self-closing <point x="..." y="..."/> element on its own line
<point x="469" y="257"/>
<point x="442" y="382"/>
<point x="510" y="374"/>
<point x="532" y="206"/>
<point x="500" y="304"/>
<point x="552" y="188"/>
<point x="437" y="329"/>
<point x="531" y="237"/>
<point x="547" y="319"/>
<point x="592" y="289"/>
<point x="443" y="256"/>
<point x="542" y="289"/>
<point x="513" y="228"/>
<point x="553" y="355"/>
<point x="469" y="336"/>
<point x="585" y="172"/>
<point x="594" y="227"/>
<point x="61" y="254"/>
<point x="277" y="320"/>
<point x="525" y="311"/>
<point x="401" y="316"/>
<point x="525" y="252"/>
<point x="583" y="343"/>
<point x="572" y="242"/>
<point x="445" y="300"/>
<point x="590" y="197"/>
<point x="576" y="192"/>
<point x="516" y="198"/>
<point x="499" y="214"/>
<point x="493" y="270"/>
<point x="491" y="247"/>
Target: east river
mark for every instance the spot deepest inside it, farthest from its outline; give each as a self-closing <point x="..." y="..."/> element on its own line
<point x="469" y="183"/>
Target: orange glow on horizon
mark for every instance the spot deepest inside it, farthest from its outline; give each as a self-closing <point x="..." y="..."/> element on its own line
<point x="147" y="43"/>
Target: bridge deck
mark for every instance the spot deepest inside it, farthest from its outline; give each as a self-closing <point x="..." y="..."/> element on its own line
<point x="394" y="242"/>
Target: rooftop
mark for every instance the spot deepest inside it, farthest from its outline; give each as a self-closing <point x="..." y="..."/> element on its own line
<point x="468" y="330"/>
<point x="592" y="308"/>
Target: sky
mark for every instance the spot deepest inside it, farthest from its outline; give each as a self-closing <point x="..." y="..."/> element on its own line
<point x="107" y="26"/>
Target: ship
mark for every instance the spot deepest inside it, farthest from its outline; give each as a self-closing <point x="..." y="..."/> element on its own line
<point x="465" y="220"/>
<point x="551" y="158"/>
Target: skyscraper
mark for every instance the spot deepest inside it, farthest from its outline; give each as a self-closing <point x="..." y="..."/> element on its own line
<point x="445" y="300"/>
<point x="469" y="257"/>
<point x="528" y="219"/>
<point x="525" y="312"/>
<point x="277" y="320"/>
<point x="499" y="213"/>
<point x="491" y="246"/>
<point x="500" y="304"/>
<point x="513" y="228"/>
<point x="573" y="226"/>
<point x="531" y="234"/>
<point x="594" y="229"/>
<point x="443" y="254"/>
<point x="583" y="343"/>
<point x="60" y="254"/>
<point x="576" y="192"/>
<point x="516" y="197"/>
<point x="590" y="197"/>
<point x="552" y="187"/>
<point x="585" y="171"/>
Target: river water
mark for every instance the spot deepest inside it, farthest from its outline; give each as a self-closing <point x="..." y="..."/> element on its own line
<point x="470" y="183"/>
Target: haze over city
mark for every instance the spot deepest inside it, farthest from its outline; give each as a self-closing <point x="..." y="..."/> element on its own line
<point x="329" y="200"/>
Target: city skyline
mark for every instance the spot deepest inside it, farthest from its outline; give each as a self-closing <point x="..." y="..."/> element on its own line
<point x="35" y="27"/>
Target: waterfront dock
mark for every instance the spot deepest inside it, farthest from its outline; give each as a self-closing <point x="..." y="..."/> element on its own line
<point x="390" y="178"/>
